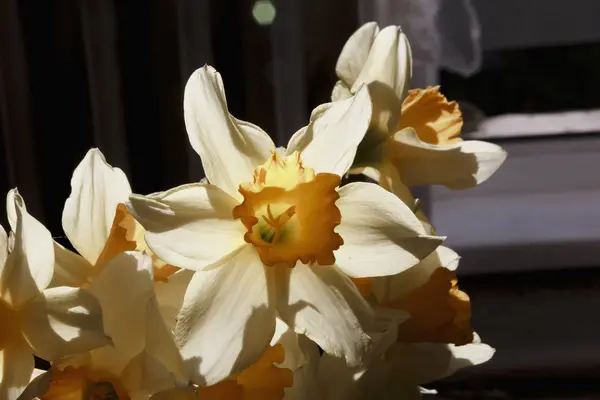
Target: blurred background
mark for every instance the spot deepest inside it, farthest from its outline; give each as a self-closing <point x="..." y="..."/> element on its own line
<point x="111" y="73"/>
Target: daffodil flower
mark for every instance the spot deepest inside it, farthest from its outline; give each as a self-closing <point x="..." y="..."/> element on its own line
<point x="273" y="234"/>
<point x="34" y="319"/>
<point x="433" y="342"/>
<point x="98" y="224"/>
<point x="414" y="135"/>
<point x="142" y="359"/>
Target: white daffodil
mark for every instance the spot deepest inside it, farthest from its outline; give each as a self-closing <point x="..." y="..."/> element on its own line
<point x="273" y="234"/>
<point x="143" y="358"/>
<point x="34" y="319"/>
<point x="98" y="224"/>
<point x="434" y="342"/>
<point x="413" y="139"/>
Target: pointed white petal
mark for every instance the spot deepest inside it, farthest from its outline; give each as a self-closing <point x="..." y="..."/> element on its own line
<point x="421" y="363"/>
<point x="30" y="265"/>
<point x="389" y="62"/>
<point x="124" y="289"/>
<point x="382" y="236"/>
<point x="63" y="321"/>
<point x="340" y="92"/>
<point x="458" y="166"/>
<point x="387" y="288"/>
<point x="230" y="149"/>
<point x="170" y="295"/>
<point x="16" y="367"/>
<point x="96" y="190"/>
<point x="324" y="305"/>
<point x="3" y="248"/>
<point x="70" y="269"/>
<point x="336" y="134"/>
<point x="190" y="226"/>
<point x="230" y="305"/>
<point x="38" y="386"/>
<point x="354" y="55"/>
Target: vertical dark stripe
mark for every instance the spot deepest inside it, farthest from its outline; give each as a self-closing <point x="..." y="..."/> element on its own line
<point x="195" y="50"/>
<point x="19" y="160"/>
<point x="99" y="30"/>
<point x="289" y="72"/>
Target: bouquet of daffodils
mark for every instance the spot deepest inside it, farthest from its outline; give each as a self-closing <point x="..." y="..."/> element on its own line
<point x="271" y="278"/>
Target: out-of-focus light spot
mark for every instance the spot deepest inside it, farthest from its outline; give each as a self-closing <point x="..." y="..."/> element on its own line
<point x="264" y="12"/>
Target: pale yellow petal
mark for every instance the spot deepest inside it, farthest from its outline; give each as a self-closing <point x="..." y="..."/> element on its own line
<point x="421" y="363"/>
<point x="389" y="62"/>
<point x="230" y="305"/>
<point x="16" y="367"/>
<point x="170" y="293"/>
<point x="382" y="236"/>
<point x="190" y="226"/>
<point x="124" y="289"/>
<point x="3" y="248"/>
<point x="388" y="288"/>
<point x="323" y="304"/>
<point x="335" y="135"/>
<point x="30" y="265"/>
<point x="70" y="269"/>
<point x="340" y="91"/>
<point x="355" y="52"/>
<point x="96" y="190"/>
<point x="63" y="321"/>
<point x="230" y="149"/>
<point x="457" y="166"/>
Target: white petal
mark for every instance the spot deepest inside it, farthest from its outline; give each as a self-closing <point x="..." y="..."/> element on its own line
<point x="96" y="190"/>
<point x="304" y="135"/>
<point x="3" y="248"/>
<point x="190" y="226"/>
<point x="170" y="295"/>
<point x="354" y="55"/>
<point x="306" y="385"/>
<point x="70" y="269"/>
<point x="30" y="265"/>
<point x="144" y="376"/>
<point x="459" y="166"/>
<point x="16" y="367"/>
<point x="340" y="91"/>
<point x="160" y="342"/>
<point x="421" y="363"/>
<point x="38" y="386"/>
<point x="323" y="304"/>
<point x="124" y="289"/>
<point x="336" y="134"/>
<point x="230" y="149"/>
<point x="226" y="322"/>
<point x="387" y="288"/>
<point x="389" y="62"/>
<point x="382" y="236"/>
<point x="63" y="321"/>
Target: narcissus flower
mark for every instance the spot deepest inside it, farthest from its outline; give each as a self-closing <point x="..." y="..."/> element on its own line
<point x="98" y="224"/>
<point x="414" y="135"/>
<point x="142" y="359"/>
<point x="274" y="234"/>
<point x="433" y="342"/>
<point x="34" y="319"/>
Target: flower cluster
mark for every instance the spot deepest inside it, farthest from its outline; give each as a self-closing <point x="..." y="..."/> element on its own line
<point x="272" y="278"/>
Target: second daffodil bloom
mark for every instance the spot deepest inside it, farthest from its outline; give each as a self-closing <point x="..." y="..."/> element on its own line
<point x="414" y="135"/>
<point x="273" y="234"/>
<point x="98" y="224"/>
<point x="433" y="342"/>
<point x="142" y="358"/>
<point x="34" y="319"/>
